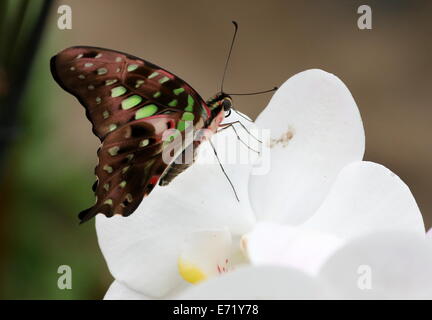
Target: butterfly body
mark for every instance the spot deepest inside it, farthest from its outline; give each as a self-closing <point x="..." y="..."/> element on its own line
<point x="132" y="105"/>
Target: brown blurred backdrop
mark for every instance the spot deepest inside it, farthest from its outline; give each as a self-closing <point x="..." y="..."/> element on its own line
<point x="387" y="70"/>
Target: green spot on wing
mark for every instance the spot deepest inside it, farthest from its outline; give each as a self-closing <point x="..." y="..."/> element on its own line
<point x="153" y="75"/>
<point x="146" y="111"/>
<point x="118" y="91"/>
<point x="131" y="102"/>
<point x="178" y="91"/>
<point x="191" y="102"/>
<point x="172" y="137"/>
<point x="182" y="125"/>
<point x="157" y="94"/>
<point x="132" y="67"/>
<point x="163" y="80"/>
<point x="173" y="103"/>
<point x="110" y="82"/>
<point x="139" y="83"/>
<point x="102" y="71"/>
<point x="113" y="151"/>
<point x="188" y="116"/>
<point x="108" y="169"/>
<point x="144" y="143"/>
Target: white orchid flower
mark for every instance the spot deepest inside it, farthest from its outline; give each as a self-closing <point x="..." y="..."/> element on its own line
<point x="291" y="223"/>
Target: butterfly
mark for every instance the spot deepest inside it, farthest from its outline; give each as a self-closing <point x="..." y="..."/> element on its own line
<point x="132" y="104"/>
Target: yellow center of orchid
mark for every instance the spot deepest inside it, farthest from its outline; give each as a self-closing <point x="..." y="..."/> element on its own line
<point x="190" y="272"/>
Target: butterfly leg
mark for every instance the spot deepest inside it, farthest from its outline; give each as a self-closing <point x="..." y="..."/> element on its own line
<point x="242" y="125"/>
<point x="238" y="137"/>
<point x="223" y="170"/>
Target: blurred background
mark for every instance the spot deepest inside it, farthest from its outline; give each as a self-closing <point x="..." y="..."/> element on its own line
<point x="47" y="151"/>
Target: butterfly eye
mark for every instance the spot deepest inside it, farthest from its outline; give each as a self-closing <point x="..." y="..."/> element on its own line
<point x="226" y="104"/>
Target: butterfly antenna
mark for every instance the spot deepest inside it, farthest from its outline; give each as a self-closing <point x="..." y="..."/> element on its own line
<point x="252" y="93"/>
<point x="229" y="53"/>
<point x="249" y="94"/>
<point x="223" y="170"/>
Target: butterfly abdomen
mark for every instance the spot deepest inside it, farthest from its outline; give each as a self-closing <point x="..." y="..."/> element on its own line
<point x="180" y="164"/>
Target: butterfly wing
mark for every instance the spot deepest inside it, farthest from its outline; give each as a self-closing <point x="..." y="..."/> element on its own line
<point x="131" y="103"/>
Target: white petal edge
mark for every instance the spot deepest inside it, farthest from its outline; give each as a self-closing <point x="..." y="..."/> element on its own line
<point x="367" y="197"/>
<point x="118" y="291"/>
<point x="382" y="265"/>
<point x="316" y="130"/>
<point x="142" y="250"/>
<point x="253" y="283"/>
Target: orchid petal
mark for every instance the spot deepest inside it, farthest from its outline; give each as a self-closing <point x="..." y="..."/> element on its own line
<point x="383" y="265"/>
<point x="297" y="247"/>
<point x="316" y="130"/>
<point x="367" y="197"/>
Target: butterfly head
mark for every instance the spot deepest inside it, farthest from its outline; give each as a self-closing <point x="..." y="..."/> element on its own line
<point x="220" y="101"/>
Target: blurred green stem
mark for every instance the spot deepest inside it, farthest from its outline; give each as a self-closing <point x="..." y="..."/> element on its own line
<point x="16" y="57"/>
